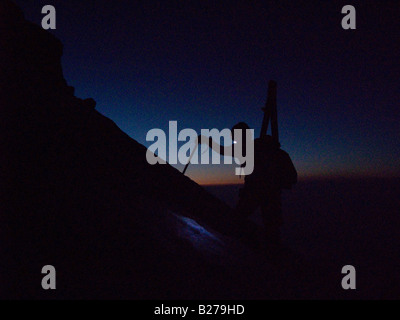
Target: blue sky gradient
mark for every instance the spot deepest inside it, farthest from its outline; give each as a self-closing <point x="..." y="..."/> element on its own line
<point x="207" y="65"/>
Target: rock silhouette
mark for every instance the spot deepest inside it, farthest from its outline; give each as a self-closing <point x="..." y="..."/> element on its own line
<point x="78" y="193"/>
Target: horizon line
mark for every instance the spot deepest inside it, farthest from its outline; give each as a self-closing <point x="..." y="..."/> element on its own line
<point x="309" y="178"/>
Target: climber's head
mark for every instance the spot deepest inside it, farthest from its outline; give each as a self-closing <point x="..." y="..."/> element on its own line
<point x="240" y="126"/>
<point x="240" y="130"/>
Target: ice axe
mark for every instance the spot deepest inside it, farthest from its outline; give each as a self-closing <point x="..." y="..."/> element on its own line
<point x="190" y="158"/>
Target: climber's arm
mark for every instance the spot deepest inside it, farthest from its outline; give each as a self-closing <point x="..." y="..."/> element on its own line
<point x="222" y="150"/>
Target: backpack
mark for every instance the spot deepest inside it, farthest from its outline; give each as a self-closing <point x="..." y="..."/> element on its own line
<point x="286" y="174"/>
<point x="273" y="167"/>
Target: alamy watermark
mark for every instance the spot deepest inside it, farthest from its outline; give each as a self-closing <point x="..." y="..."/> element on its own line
<point x="238" y="146"/>
<point x="348" y="21"/>
<point x="49" y="20"/>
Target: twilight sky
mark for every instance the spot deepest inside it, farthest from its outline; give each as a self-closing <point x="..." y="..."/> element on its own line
<point x="207" y="65"/>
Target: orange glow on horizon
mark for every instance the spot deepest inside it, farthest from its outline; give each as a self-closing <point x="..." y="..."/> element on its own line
<point x="222" y="182"/>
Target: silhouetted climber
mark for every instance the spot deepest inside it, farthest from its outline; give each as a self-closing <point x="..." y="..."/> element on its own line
<point x="273" y="171"/>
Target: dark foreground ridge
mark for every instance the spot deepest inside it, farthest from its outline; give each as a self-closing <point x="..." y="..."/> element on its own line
<point x="77" y="192"/>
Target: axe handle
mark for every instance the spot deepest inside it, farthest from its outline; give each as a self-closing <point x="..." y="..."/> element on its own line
<point x="190" y="158"/>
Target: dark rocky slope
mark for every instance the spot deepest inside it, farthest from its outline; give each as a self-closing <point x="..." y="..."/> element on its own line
<point x="78" y="193"/>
